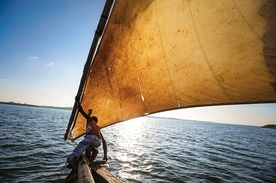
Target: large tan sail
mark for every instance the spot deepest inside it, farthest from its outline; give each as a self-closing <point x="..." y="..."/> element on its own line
<point x="158" y="55"/>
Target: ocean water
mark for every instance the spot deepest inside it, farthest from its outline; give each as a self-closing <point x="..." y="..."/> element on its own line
<point x="146" y="149"/>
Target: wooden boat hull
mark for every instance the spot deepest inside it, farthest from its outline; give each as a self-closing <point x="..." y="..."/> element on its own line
<point x="91" y="173"/>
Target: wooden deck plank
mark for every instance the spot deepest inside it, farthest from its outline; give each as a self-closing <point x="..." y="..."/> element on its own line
<point x="105" y="174"/>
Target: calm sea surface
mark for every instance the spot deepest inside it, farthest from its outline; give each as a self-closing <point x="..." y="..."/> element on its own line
<point x="142" y="150"/>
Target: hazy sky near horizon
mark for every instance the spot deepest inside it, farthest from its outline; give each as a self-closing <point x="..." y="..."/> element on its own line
<point x="43" y="48"/>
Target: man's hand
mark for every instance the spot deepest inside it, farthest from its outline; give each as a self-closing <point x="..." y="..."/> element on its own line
<point x="105" y="159"/>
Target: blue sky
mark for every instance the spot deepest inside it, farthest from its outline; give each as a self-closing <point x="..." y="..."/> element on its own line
<point x="44" y="45"/>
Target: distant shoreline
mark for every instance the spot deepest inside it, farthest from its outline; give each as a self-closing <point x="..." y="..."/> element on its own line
<point x="30" y="105"/>
<point x="272" y="126"/>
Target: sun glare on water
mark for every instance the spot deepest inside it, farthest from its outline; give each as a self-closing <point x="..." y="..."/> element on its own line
<point x="130" y="133"/>
<point x="132" y="127"/>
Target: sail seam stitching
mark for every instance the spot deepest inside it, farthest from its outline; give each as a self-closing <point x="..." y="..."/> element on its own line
<point x="110" y="85"/>
<point x="247" y="21"/>
<point x="119" y="91"/>
<point x="139" y="81"/>
<point x="204" y="54"/>
<point x="174" y="91"/>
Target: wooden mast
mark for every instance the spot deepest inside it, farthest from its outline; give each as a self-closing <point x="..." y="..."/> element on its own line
<point x="89" y="61"/>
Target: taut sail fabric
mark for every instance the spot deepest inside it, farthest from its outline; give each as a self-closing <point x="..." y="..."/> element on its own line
<point x="158" y="55"/>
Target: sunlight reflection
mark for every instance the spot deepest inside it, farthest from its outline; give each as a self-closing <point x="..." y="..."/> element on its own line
<point x="130" y="133"/>
<point x="132" y="127"/>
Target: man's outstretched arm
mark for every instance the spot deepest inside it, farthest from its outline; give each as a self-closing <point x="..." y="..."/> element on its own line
<point x="82" y="111"/>
<point x="104" y="148"/>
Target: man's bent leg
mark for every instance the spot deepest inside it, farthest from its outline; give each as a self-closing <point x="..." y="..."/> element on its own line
<point x="94" y="154"/>
<point x="88" y="152"/>
<point x="81" y="147"/>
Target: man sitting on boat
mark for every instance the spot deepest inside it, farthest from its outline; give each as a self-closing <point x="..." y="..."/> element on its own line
<point x="92" y="140"/>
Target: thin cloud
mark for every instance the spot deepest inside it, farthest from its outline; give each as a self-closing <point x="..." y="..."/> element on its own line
<point x="51" y="64"/>
<point x="3" y="80"/>
<point x="33" y="58"/>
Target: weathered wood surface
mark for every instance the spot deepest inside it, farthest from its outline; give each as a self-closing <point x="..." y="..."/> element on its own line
<point x="93" y="173"/>
<point x="84" y="173"/>
<point x="103" y="175"/>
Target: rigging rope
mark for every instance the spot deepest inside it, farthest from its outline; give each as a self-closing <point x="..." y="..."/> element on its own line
<point x="72" y="144"/>
<point x="61" y="171"/>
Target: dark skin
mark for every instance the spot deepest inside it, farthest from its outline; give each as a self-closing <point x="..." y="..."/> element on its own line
<point x="95" y="151"/>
